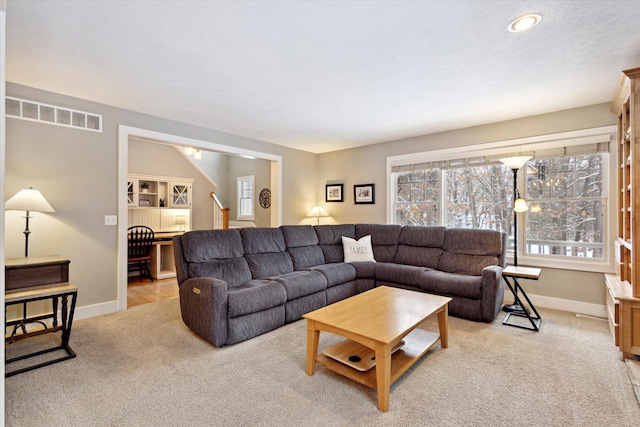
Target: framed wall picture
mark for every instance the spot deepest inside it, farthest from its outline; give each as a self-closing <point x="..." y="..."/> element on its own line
<point x="333" y="193"/>
<point x="364" y="194"/>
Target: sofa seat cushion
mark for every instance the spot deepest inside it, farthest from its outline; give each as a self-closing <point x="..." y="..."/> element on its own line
<point x="465" y="264"/>
<point x="365" y="270"/>
<point x="336" y="273"/>
<point x="254" y="296"/>
<point x="402" y="274"/>
<point x="234" y="271"/>
<point x="302" y="283"/>
<point x="452" y="284"/>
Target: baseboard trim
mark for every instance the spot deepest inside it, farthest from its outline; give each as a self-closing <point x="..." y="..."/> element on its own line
<point x="572" y="306"/>
<point x="93" y="310"/>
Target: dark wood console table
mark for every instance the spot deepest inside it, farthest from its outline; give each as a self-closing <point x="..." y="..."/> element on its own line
<point x="55" y="292"/>
<point x="34" y="271"/>
<point x="31" y="279"/>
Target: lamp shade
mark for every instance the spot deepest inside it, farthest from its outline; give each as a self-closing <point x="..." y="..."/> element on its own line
<point x="28" y="199"/>
<point x="181" y="220"/>
<point x="515" y="162"/>
<point x="318" y="212"/>
<point x="520" y="205"/>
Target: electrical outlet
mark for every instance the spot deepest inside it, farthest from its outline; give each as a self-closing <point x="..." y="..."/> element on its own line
<point x="111" y="220"/>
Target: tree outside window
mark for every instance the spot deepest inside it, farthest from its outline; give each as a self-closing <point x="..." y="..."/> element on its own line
<point x="565" y="195"/>
<point x="566" y="202"/>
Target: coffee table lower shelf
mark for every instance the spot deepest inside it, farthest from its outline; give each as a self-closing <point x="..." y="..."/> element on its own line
<point x="417" y="343"/>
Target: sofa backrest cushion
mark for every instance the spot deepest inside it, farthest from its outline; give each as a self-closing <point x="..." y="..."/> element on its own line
<point x="384" y="239"/>
<point x="473" y="241"/>
<point x="216" y="253"/>
<point x="468" y="251"/>
<point x="330" y="240"/>
<point x="420" y="246"/>
<point x="471" y="265"/>
<point x="265" y="252"/>
<point x="302" y="246"/>
<point x="234" y="271"/>
<point x="208" y="245"/>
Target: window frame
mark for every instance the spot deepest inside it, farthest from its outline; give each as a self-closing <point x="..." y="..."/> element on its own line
<point x="241" y="215"/>
<point x="605" y="134"/>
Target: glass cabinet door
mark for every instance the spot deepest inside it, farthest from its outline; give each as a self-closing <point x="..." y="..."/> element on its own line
<point x="132" y="184"/>
<point x="180" y="195"/>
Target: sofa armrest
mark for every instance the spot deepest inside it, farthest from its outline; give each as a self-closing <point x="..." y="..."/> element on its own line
<point x="492" y="292"/>
<point x="203" y="303"/>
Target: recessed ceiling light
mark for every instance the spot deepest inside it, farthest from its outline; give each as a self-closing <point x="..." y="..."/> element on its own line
<point x="525" y="22"/>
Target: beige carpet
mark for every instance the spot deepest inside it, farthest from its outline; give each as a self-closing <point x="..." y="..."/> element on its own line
<point x="143" y="367"/>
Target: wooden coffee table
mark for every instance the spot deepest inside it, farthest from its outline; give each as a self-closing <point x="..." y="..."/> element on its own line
<point x="379" y="319"/>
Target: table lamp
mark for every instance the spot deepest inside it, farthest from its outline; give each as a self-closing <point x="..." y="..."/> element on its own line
<point x="318" y="212"/>
<point x="181" y="220"/>
<point x="28" y="200"/>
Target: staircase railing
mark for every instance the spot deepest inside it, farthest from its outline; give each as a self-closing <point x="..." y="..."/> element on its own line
<point x="220" y="214"/>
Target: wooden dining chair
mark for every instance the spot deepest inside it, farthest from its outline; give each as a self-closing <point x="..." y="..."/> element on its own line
<point x="140" y="245"/>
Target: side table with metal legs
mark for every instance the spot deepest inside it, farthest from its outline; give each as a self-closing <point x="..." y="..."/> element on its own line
<point x="521" y="309"/>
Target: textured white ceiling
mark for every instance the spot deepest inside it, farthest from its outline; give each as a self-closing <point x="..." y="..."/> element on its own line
<point x="325" y="75"/>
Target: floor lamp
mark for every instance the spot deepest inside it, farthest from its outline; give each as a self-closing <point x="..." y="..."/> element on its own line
<point x="519" y="205"/>
<point x="28" y="200"/>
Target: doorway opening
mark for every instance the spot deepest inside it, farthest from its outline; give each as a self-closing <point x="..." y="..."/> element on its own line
<point x="126" y="133"/>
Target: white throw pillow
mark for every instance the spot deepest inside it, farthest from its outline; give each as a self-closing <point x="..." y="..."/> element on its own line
<point x="358" y="251"/>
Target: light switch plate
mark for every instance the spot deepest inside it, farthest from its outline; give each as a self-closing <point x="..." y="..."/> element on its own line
<point x="111" y="220"/>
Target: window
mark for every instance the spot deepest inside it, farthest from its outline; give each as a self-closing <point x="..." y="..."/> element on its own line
<point x="418" y="197"/>
<point x="245" y="198"/>
<point x="565" y="193"/>
<point x="565" y="196"/>
<point x="465" y="193"/>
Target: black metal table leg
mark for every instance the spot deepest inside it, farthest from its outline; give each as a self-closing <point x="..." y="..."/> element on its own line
<point x="517" y="291"/>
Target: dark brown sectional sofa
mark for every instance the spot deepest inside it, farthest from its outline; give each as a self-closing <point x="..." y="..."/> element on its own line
<point x="240" y="283"/>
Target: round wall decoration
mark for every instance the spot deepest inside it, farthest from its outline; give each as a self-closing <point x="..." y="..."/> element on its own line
<point x="265" y="198"/>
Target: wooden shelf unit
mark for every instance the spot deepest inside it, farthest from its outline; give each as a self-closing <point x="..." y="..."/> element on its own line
<point x="623" y="289"/>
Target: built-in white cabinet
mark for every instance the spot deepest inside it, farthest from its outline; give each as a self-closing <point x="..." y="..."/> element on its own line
<point x="144" y="191"/>
<point x="162" y="203"/>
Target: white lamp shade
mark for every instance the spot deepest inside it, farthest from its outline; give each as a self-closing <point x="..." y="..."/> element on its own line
<point x="520" y="205"/>
<point x="181" y="220"/>
<point x="515" y="162"/>
<point x="28" y="199"/>
<point x="318" y="212"/>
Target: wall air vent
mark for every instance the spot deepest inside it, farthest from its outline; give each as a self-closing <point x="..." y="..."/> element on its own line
<point x="53" y="115"/>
